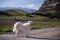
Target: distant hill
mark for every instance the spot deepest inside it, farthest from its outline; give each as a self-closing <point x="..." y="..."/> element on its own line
<point x="13" y="12"/>
<point x="4" y="13"/>
<point x="18" y="8"/>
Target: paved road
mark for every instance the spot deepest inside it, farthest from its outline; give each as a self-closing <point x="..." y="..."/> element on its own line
<point x="46" y="33"/>
<point x="39" y="34"/>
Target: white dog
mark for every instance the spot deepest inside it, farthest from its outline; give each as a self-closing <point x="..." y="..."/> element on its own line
<point x="23" y="27"/>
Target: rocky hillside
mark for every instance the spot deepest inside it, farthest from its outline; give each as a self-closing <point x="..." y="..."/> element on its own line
<point x="50" y="5"/>
<point x="50" y="8"/>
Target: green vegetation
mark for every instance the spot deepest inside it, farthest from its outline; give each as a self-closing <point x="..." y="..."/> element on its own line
<point x="40" y="22"/>
<point x="12" y="12"/>
<point x="41" y="27"/>
<point x="15" y="12"/>
<point x="51" y="14"/>
<point x="6" y="22"/>
<point x="5" y="29"/>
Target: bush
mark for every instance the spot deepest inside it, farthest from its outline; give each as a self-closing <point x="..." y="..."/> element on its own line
<point x="35" y="27"/>
<point x="9" y="31"/>
<point x="5" y="29"/>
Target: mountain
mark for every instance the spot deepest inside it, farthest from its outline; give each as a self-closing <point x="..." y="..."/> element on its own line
<point x="26" y="9"/>
<point x="50" y="8"/>
<point x="50" y="5"/>
<point x="18" y="8"/>
<point x="4" y="8"/>
<point x="4" y="13"/>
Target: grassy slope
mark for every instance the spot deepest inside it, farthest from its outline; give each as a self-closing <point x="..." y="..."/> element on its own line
<point x="6" y="22"/>
<point x="39" y="22"/>
<point x="15" y="12"/>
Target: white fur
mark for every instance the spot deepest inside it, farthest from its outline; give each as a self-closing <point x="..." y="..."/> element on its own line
<point x="22" y="26"/>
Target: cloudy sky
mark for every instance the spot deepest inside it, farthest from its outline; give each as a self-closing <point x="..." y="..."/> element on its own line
<point x="31" y="4"/>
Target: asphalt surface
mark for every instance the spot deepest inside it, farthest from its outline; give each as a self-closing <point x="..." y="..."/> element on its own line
<point x="38" y="34"/>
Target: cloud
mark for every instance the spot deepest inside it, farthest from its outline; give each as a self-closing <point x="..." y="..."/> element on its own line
<point x="28" y="6"/>
<point x="31" y="6"/>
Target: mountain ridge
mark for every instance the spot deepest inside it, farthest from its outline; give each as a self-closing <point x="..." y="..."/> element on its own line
<point x="18" y="8"/>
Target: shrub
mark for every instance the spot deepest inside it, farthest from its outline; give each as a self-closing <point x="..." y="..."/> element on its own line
<point x="9" y="31"/>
